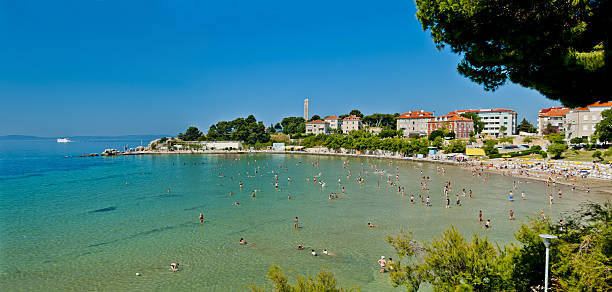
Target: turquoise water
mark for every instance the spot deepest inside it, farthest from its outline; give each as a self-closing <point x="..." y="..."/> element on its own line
<point x="93" y="223"/>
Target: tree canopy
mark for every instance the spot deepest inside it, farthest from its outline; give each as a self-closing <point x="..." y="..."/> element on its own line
<point x="314" y="118"/>
<point x="559" y="48"/>
<point x="293" y="125"/>
<point x="248" y="130"/>
<point x="478" y="123"/>
<point x="526" y="126"/>
<point x="381" y="120"/>
<point x="356" y="113"/>
<point x="192" y="134"/>
<point x="603" y="129"/>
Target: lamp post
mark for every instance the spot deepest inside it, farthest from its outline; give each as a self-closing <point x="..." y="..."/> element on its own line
<point x="546" y="239"/>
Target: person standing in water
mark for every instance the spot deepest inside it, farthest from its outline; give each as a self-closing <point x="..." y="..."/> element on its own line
<point x="480" y="216"/>
<point x="201" y="218"/>
<point x="295" y="223"/>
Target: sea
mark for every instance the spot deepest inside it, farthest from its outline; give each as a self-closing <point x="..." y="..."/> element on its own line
<point x="72" y="223"/>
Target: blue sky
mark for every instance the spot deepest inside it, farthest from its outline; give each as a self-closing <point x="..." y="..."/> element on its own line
<point x="157" y="67"/>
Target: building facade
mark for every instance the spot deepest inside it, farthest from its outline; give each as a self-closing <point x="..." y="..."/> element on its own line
<point x="334" y="122"/>
<point x="555" y="116"/>
<point x="494" y="119"/>
<point x="580" y="122"/>
<point x="351" y="123"/>
<point x="461" y="126"/>
<point x="414" y="122"/>
<point x="317" y="127"/>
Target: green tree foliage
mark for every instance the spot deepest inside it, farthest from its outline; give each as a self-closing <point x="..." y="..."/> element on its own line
<point x="556" y="149"/>
<point x="248" y="130"/>
<point x="293" y="125"/>
<point x="555" y="137"/>
<point x="314" y="118"/>
<point x="549" y="129"/>
<point x="526" y="126"/>
<point x="478" y="123"/>
<point x="278" y="126"/>
<point x="578" y="140"/>
<point x="559" y="48"/>
<point x="192" y="134"/>
<point x="455" y="146"/>
<point x="603" y="129"/>
<point x="502" y="130"/>
<point x="527" y="140"/>
<point x="387" y="121"/>
<point x="387" y="133"/>
<point x="580" y="257"/>
<point x="356" y="113"/>
<point x="437" y="133"/>
<point x="597" y="154"/>
<point x="489" y="147"/>
<point x="324" y="282"/>
<point x="506" y="140"/>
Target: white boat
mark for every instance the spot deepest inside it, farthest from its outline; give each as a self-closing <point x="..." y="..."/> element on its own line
<point x="63" y="140"/>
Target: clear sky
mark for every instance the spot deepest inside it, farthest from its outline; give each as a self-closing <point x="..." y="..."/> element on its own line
<point x="156" y="67"/>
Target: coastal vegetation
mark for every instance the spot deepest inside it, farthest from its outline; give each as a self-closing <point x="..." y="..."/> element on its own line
<point x="603" y="129"/>
<point x="478" y="123"/>
<point x="580" y="259"/>
<point x="558" y="48"/>
<point x="526" y="126"/>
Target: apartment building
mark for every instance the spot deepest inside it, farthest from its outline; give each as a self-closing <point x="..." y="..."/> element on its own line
<point x="494" y="119"/>
<point x="555" y="116"/>
<point x="580" y="122"/>
<point x="351" y="123"/>
<point x="454" y="122"/>
<point x="334" y="122"/>
<point x="317" y="127"/>
<point x="414" y="122"/>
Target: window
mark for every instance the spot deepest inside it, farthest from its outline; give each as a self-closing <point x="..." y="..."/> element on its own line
<point x="584" y="128"/>
<point x="586" y="118"/>
<point x="594" y="118"/>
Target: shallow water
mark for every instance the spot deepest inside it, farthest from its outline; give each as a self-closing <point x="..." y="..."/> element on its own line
<point x="92" y="223"/>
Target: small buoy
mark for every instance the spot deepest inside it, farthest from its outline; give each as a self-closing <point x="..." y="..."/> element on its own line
<point x="137" y="274"/>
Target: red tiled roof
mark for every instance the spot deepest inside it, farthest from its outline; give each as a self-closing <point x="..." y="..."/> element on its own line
<point x="416" y="115"/>
<point x="597" y="104"/>
<point x="554" y="112"/>
<point x="333" y="118"/>
<point x="452" y="116"/>
<point x="316" y="122"/>
<point x="352" y="117"/>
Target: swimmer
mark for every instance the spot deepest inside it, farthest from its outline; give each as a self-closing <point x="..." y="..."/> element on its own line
<point x="382" y="263"/>
<point x="511" y="215"/>
<point x="168" y="191"/>
<point x="174" y="267"/>
<point x="371" y="225"/>
<point x="488" y="224"/>
<point x="390" y="263"/>
<point x="288" y="196"/>
<point x="523" y="195"/>
<point x="231" y="193"/>
<point x="237" y="204"/>
<point x="480" y="216"/>
<point x="242" y="241"/>
<point x="313" y="252"/>
<point x="300" y="247"/>
<point x="295" y="223"/>
<point x="428" y="203"/>
<point x="325" y="252"/>
<point x="201" y="218"/>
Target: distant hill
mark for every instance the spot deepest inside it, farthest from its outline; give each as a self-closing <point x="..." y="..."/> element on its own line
<point x="23" y="137"/>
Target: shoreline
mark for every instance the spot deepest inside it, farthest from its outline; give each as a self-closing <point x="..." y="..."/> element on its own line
<point x="594" y="184"/>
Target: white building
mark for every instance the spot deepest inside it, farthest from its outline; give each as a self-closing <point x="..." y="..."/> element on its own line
<point x="555" y="116"/>
<point x="317" y="127"/>
<point x="334" y="122"/>
<point x="222" y="145"/>
<point x="494" y="119"/>
<point x="414" y="122"/>
<point x="351" y="123"/>
<point x="580" y="122"/>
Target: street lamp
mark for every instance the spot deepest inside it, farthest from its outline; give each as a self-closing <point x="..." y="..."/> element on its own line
<point x="546" y="239"/>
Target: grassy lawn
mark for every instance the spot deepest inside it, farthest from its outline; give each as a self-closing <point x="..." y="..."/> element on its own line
<point x="580" y="156"/>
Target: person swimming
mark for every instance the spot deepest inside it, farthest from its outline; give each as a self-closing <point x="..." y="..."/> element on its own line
<point x="242" y="241"/>
<point x="201" y="218"/>
<point x="314" y="253"/>
<point x="382" y="263"/>
<point x="300" y="247"/>
<point x="325" y="252"/>
<point x="174" y="267"/>
<point x="488" y="224"/>
<point x="371" y="225"/>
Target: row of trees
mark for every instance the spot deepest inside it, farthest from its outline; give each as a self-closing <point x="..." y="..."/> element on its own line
<point x="248" y="130"/>
<point x="580" y="259"/>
